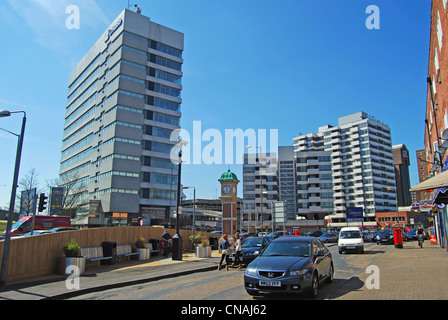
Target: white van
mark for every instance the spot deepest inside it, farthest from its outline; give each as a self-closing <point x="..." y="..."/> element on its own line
<point x="350" y="239"/>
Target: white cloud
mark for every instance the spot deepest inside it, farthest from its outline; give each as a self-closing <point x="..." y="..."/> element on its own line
<point x="47" y="19"/>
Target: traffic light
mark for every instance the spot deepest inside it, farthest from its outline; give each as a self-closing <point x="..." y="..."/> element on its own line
<point x="42" y="202"/>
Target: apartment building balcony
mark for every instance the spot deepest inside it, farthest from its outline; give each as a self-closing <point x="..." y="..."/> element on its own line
<point x="338" y="180"/>
<point x="313" y="180"/>
<point x="314" y="190"/>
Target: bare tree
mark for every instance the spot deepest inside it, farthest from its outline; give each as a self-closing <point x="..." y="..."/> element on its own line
<point x="74" y="195"/>
<point x="28" y="198"/>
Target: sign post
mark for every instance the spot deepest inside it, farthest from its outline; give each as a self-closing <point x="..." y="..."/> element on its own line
<point x="279" y="214"/>
<point x="355" y="214"/>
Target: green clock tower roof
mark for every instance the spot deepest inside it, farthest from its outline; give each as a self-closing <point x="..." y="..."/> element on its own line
<point x="228" y="176"/>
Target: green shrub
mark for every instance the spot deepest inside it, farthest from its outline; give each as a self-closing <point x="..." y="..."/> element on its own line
<point x="72" y="249"/>
<point x="196" y="239"/>
<point x="140" y="243"/>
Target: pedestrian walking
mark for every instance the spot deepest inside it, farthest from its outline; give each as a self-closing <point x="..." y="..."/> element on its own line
<point x="225" y="247"/>
<point x="237" y="251"/>
<point x="165" y="243"/>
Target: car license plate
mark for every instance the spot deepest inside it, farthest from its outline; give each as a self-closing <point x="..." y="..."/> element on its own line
<point x="350" y="247"/>
<point x="270" y="283"/>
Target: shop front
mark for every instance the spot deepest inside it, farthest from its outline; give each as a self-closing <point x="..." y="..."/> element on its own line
<point x="439" y="186"/>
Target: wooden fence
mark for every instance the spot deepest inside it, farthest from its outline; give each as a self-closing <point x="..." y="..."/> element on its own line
<point x="37" y="256"/>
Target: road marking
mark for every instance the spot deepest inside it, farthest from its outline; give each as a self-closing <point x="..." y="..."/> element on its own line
<point x="189" y="284"/>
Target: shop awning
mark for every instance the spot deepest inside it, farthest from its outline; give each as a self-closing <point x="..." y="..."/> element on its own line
<point x="439" y="181"/>
<point x="440" y="196"/>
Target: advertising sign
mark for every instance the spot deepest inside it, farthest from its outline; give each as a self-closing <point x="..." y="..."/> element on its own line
<point x="56" y="196"/>
<point x="279" y="211"/>
<point x="355" y="214"/>
<point x="28" y="202"/>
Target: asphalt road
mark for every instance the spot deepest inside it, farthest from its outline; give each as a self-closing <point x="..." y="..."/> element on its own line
<point x="228" y="285"/>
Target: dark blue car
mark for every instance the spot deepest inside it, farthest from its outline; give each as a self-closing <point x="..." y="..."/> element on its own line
<point x="290" y="264"/>
<point x="412" y="234"/>
<point x="248" y="248"/>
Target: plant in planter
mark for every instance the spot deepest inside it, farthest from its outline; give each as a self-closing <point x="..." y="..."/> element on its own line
<point x="202" y="249"/>
<point x="143" y="252"/>
<point x="73" y="261"/>
<point x="196" y="239"/>
<point x="72" y="249"/>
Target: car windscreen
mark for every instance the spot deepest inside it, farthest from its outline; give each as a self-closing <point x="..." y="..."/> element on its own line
<point x="252" y="242"/>
<point x="17" y="225"/>
<point x="289" y="249"/>
<point x="350" y="234"/>
<point x="384" y="232"/>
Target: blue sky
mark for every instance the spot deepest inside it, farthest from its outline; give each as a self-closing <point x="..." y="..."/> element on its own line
<point x="291" y="65"/>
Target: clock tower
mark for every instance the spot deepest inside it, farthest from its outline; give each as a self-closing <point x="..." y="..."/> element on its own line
<point x="229" y="183"/>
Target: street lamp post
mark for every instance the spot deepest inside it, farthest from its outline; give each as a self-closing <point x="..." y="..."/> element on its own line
<point x="193" y="229"/>
<point x="6" y="245"/>
<point x="177" y="238"/>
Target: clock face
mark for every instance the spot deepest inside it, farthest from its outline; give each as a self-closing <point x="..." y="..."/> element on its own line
<point x="226" y="189"/>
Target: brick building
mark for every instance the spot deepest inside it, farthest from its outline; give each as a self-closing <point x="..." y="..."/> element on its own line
<point x="436" y="117"/>
<point x="404" y="218"/>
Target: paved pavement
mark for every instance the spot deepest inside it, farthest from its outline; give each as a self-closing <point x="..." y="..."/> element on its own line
<point x="409" y="273"/>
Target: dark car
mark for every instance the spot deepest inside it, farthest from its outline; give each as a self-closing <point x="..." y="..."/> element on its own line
<point x="290" y="264"/>
<point x="314" y="234"/>
<point x="248" y="248"/>
<point x="385" y="236"/>
<point x="277" y="234"/>
<point x="411" y="234"/>
<point x="367" y="236"/>
<point x="247" y="235"/>
<point x="329" y="237"/>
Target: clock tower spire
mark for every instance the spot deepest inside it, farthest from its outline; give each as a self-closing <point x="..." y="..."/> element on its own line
<point x="229" y="184"/>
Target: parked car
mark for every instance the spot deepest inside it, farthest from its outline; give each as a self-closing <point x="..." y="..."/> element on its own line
<point x="290" y="264"/>
<point x="262" y="234"/>
<point x="367" y="236"/>
<point x="314" y="234"/>
<point x="35" y="233"/>
<point x="248" y="248"/>
<point x="247" y="235"/>
<point x="385" y="236"/>
<point x="350" y="239"/>
<point x="329" y="237"/>
<point x="277" y="234"/>
<point x="412" y="234"/>
<point x="60" y="229"/>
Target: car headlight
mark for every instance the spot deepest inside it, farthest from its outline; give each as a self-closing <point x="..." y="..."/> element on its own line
<point x="391" y="237"/>
<point x="250" y="272"/>
<point x="301" y="272"/>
